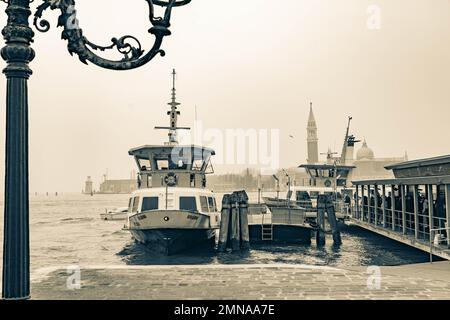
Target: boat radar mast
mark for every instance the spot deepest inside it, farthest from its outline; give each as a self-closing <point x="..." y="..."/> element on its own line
<point x="173" y="114"/>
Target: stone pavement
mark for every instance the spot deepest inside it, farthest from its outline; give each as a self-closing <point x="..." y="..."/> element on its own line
<point x="254" y="282"/>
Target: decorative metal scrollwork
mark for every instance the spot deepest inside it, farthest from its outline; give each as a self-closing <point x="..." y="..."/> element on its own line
<point x="128" y="46"/>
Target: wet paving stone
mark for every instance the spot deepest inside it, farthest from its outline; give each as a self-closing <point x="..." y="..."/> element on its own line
<point x="247" y="282"/>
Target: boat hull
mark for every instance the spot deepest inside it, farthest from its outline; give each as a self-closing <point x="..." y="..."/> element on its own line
<point x="283" y="233"/>
<point x="114" y="216"/>
<point x="171" y="241"/>
<point x="172" y="231"/>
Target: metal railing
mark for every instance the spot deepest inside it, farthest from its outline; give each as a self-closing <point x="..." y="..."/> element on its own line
<point x="371" y="214"/>
<point x="295" y="216"/>
<point x="432" y="240"/>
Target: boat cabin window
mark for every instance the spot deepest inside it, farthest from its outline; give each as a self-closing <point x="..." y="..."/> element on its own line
<point x="130" y="204"/>
<point x="180" y="165"/>
<point x="314" y="194"/>
<point x="135" y="204"/>
<point x="162" y="164"/>
<point x="188" y="203"/>
<point x="197" y="164"/>
<point x="145" y="165"/>
<point x="302" y="195"/>
<point x="150" y="203"/>
<point x="212" y="204"/>
<point x="204" y="204"/>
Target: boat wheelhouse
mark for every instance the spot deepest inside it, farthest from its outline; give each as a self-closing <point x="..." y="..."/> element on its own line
<point x="173" y="165"/>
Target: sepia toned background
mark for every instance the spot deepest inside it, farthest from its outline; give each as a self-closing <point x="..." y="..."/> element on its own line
<point x="244" y="64"/>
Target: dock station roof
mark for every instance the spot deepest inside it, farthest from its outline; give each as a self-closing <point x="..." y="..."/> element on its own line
<point x="434" y="171"/>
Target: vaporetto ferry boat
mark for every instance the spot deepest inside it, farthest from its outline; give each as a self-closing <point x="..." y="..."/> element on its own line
<point x="173" y="209"/>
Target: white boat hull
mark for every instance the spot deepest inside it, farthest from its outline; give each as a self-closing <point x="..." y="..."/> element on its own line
<point x="114" y="216"/>
<point x="171" y="231"/>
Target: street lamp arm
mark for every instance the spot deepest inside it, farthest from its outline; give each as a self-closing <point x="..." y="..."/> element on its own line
<point x="132" y="54"/>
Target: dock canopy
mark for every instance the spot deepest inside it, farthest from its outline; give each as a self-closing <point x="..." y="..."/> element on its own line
<point x="435" y="171"/>
<point x="430" y="167"/>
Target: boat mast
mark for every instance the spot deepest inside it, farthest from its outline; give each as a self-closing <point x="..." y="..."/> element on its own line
<point x="173" y="114"/>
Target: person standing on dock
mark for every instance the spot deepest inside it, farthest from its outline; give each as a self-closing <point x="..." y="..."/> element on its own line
<point x="365" y="203"/>
<point x="398" y="209"/>
<point x="424" y="211"/>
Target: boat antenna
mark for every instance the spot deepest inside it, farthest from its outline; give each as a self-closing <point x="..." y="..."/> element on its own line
<point x="173" y="114"/>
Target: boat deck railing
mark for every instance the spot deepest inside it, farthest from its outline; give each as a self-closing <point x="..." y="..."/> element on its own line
<point x="285" y="216"/>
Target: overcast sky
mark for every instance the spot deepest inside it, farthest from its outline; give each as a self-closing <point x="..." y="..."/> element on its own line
<point x="245" y="64"/>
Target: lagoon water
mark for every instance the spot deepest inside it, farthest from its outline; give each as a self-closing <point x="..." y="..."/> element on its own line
<point x="67" y="230"/>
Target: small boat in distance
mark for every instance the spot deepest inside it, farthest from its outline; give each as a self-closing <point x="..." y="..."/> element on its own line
<point x="173" y="210"/>
<point x="115" y="214"/>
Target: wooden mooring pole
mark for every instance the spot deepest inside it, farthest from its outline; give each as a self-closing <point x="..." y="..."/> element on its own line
<point x="243" y="220"/>
<point x="324" y="204"/>
<point x="235" y="225"/>
<point x="224" y="223"/>
<point x="234" y="230"/>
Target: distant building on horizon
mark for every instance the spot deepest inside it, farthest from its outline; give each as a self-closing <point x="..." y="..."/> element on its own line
<point x="367" y="166"/>
<point x="122" y="186"/>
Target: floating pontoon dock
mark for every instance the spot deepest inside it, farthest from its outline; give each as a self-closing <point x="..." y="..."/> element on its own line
<point x="412" y="208"/>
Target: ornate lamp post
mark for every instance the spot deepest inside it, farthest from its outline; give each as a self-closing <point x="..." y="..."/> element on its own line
<point x="18" y="54"/>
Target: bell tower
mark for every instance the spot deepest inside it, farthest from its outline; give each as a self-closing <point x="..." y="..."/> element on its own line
<point x="313" y="141"/>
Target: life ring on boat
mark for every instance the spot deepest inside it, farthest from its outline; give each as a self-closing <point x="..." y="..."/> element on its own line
<point x="328" y="183"/>
<point x="171" y="179"/>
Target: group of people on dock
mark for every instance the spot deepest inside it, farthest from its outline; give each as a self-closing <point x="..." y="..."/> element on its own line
<point x="372" y="208"/>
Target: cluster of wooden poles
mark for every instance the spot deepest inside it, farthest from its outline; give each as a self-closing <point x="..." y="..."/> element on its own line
<point x="325" y="205"/>
<point x="234" y="231"/>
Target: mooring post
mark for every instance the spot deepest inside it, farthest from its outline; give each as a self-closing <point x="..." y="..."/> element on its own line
<point x="235" y="225"/>
<point x="320" y="233"/>
<point x="224" y="223"/>
<point x="331" y="214"/>
<point x="16" y="247"/>
<point x="243" y="216"/>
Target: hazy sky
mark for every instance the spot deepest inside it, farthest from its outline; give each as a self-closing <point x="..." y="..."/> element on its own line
<point x="245" y="64"/>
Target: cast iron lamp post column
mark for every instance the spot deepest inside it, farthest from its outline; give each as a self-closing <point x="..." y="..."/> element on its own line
<point x="18" y="54"/>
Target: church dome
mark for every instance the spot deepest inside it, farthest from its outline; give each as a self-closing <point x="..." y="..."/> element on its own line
<point x="365" y="153"/>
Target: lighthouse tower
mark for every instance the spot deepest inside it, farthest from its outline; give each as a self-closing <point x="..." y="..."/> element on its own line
<point x="313" y="141"/>
<point x="88" y="186"/>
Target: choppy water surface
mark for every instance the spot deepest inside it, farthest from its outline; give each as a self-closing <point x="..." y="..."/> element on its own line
<point x="67" y="230"/>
